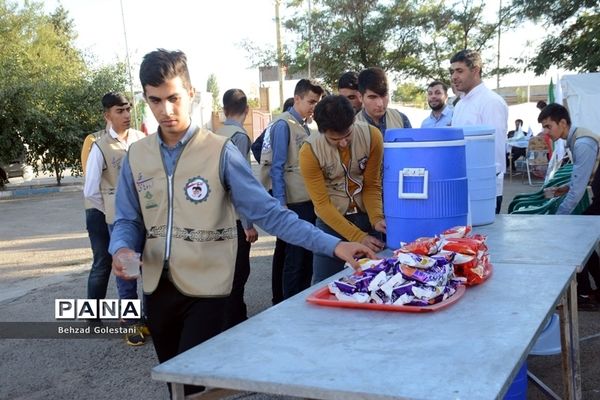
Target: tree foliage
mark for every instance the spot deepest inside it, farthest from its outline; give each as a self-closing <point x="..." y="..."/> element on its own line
<point x="212" y="86"/>
<point x="576" y="45"/>
<point x="408" y="38"/>
<point x="49" y="98"/>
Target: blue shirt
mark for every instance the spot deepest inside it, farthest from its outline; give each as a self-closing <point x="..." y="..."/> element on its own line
<point x="382" y="122"/>
<point x="585" y="151"/>
<point x="280" y="140"/>
<point x="445" y="119"/>
<point x="247" y="195"/>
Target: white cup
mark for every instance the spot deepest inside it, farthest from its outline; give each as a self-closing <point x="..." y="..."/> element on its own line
<point x="130" y="263"/>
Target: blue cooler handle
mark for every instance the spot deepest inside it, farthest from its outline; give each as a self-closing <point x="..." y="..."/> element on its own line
<point x="413" y="172"/>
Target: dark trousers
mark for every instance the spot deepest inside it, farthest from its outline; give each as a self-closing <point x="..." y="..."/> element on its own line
<point x="592" y="267"/>
<point x="297" y="269"/>
<point x="498" y="204"/>
<point x="277" y="271"/>
<point x="237" y="307"/>
<point x="179" y="322"/>
<point x="97" y="228"/>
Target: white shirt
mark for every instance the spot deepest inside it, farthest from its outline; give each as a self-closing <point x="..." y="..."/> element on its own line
<point x="481" y="106"/>
<point x="95" y="166"/>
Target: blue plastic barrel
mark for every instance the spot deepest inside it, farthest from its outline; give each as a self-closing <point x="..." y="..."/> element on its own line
<point x="481" y="172"/>
<point x="424" y="182"/>
<point x="518" y="388"/>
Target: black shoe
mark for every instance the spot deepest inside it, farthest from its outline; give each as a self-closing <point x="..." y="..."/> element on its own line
<point x="586" y="303"/>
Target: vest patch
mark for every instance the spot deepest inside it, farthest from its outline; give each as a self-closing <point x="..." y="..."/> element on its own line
<point x="197" y="190"/>
<point x="362" y="163"/>
<point x="145" y="185"/>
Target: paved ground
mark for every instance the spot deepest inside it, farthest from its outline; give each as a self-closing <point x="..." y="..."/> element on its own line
<point x="44" y="255"/>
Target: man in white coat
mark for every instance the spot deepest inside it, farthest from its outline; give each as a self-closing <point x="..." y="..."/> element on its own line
<point x="480" y="106"/>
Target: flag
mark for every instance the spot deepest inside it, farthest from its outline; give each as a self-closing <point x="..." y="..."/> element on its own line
<point x="551" y="97"/>
<point x="558" y="94"/>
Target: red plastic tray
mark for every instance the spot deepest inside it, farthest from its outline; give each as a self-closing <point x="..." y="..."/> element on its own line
<point x="322" y="297"/>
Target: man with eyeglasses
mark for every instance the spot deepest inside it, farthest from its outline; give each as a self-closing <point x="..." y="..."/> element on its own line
<point x="341" y="168"/>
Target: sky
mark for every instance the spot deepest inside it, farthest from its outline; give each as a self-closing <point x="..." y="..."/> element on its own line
<point x="209" y="32"/>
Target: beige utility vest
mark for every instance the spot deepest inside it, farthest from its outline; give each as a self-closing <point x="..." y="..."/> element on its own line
<point x="189" y="217"/>
<point x="295" y="190"/>
<point x="113" y="152"/>
<point x="335" y="173"/>
<point x="393" y="119"/>
<point x="583" y="132"/>
<point x="96" y="135"/>
<point x="229" y="130"/>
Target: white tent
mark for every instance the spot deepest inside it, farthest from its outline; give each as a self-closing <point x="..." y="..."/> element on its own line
<point x="582" y="93"/>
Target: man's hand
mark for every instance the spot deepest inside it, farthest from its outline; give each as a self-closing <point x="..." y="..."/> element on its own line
<point x="251" y="235"/>
<point x="380" y="226"/>
<point x="559" y="191"/>
<point x="373" y="243"/>
<point x="117" y="266"/>
<point x="347" y="251"/>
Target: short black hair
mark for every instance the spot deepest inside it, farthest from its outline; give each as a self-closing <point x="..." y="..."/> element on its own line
<point x="334" y="112"/>
<point x="307" y="85"/>
<point x="471" y="58"/>
<point x="519" y="120"/>
<point x="234" y="102"/>
<point x="161" y="65"/>
<point x="373" y="79"/>
<point x="555" y="112"/>
<point x="442" y="84"/>
<point x="541" y="104"/>
<point x="289" y="102"/>
<point x="112" y="99"/>
<point x="348" y="80"/>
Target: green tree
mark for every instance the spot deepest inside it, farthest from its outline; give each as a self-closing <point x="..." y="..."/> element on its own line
<point x="410" y="94"/>
<point x="213" y="87"/>
<point x="414" y="38"/>
<point x="49" y="98"/>
<point x="352" y="35"/>
<point x="575" y="46"/>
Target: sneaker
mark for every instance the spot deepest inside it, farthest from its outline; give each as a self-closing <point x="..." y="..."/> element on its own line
<point x="136" y="338"/>
<point x="144" y="330"/>
<point x="586" y="303"/>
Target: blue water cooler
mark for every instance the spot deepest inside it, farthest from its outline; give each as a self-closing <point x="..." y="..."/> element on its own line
<point x="425" y="186"/>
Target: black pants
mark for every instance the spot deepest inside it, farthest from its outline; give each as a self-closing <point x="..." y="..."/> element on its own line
<point x="297" y="269"/>
<point x="498" y="204"/>
<point x="179" y="322"/>
<point x="592" y="267"/>
<point x="238" y="311"/>
<point x="277" y="271"/>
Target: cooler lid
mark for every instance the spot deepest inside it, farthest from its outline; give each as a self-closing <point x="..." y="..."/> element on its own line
<point x="422" y="135"/>
<point x="477" y="130"/>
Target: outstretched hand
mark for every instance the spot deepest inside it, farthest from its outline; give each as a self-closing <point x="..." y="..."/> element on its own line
<point x="351" y="251"/>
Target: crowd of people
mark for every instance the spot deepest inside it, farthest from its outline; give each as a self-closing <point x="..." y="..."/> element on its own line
<point x="187" y="199"/>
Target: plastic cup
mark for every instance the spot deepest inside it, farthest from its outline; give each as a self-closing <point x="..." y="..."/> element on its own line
<point x="130" y="263"/>
<point x="549" y="192"/>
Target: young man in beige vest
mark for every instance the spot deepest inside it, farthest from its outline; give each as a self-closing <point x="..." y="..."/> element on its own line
<point x="585" y="151"/>
<point x="374" y="92"/>
<point x="184" y="185"/>
<point x="102" y="173"/>
<point x="342" y="171"/>
<point x="97" y="228"/>
<point x="280" y="172"/>
<point x="235" y="106"/>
